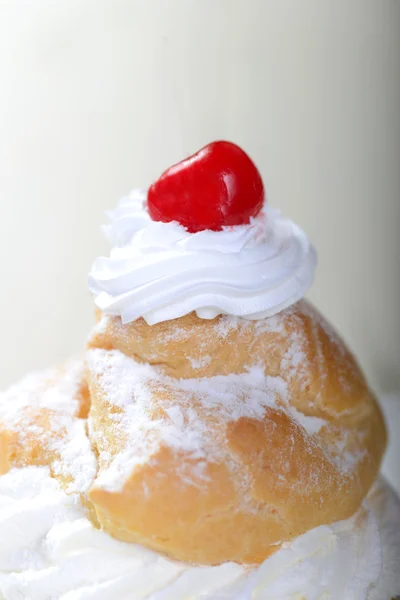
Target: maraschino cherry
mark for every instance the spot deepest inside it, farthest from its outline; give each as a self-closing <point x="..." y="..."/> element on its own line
<point x="219" y="185"/>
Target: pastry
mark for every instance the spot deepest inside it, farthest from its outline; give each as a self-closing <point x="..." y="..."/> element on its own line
<point x="217" y="439"/>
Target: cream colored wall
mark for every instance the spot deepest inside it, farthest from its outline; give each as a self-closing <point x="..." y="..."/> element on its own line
<point x="97" y="96"/>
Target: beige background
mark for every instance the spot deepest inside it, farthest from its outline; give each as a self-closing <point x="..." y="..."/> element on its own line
<point x="97" y="96"/>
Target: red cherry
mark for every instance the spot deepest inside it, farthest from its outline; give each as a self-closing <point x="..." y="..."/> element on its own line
<point x="219" y="185"/>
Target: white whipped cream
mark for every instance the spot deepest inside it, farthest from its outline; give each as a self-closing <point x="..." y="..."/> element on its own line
<point x="53" y="551"/>
<point x="160" y="271"/>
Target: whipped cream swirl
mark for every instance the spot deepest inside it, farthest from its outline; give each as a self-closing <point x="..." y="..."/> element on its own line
<point x="160" y="271"/>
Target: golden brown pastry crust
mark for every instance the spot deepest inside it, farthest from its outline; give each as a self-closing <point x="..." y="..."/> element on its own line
<point x="40" y="418"/>
<point x="260" y="479"/>
<point x="274" y="480"/>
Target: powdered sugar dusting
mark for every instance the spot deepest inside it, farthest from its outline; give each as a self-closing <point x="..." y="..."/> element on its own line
<point x="186" y="409"/>
<point x="102" y="325"/>
<point x="225" y="324"/>
<point x="294" y="358"/>
<point x="42" y="410"/>
<point x="340" y="455"/>
<point x="311" y="424"/>
<point x="199" y="363"/>
<point x="38" y="390"/>
<point x="176" y="334"/>
<point x="339" y="346"/>
<point x="274" y="324"/>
